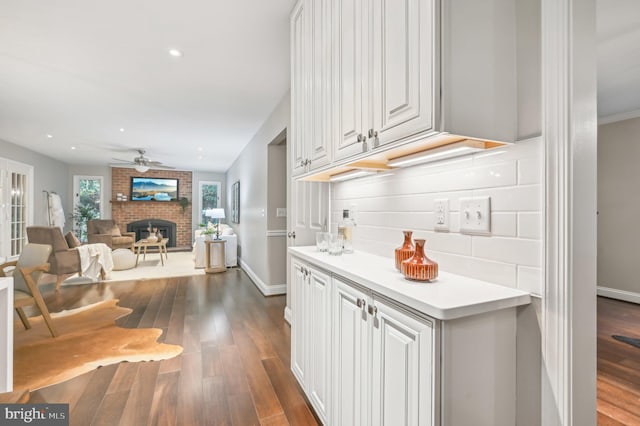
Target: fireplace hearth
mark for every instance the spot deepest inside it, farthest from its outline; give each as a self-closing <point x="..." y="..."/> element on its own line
<point x="165" y="227"/>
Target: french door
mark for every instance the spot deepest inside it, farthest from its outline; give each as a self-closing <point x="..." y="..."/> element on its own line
<point x="16" y="206"/>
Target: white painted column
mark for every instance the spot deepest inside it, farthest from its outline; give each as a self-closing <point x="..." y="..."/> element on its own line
<point x="570" y="132"/>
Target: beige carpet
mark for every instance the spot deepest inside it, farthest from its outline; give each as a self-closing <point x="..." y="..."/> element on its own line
<point x="88" y="338"/>
<point x="178" y="264"/>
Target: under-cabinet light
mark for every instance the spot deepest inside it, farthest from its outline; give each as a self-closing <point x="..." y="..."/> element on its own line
<point x="352" y="174"/>
<point x="447" y="151"/>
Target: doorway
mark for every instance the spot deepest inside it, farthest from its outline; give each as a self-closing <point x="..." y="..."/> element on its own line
<point x="277" y="189"/>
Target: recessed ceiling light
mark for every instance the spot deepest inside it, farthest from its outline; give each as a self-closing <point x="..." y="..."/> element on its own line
<point x="175" y="53"/>
<point x="200" y="148"/>
<point x="200" y="158"/>
<point x="121" y="129"/>
<point x="49" y="136"/>
<point x="73" y="147"/>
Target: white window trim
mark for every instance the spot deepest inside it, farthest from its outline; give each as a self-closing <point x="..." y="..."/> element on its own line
<point x="76" y="190"/>
<point x="200" y="185"/>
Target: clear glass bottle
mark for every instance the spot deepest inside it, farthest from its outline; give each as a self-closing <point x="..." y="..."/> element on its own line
<point x="345" y="228"/>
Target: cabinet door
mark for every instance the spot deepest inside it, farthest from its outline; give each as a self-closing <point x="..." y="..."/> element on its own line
<point x="299" y="326"/>
<point x="350" y="361"/>
<point x="319" y="317"/>
<point x="403" y="368"/>
<point x="404" y="54"/>
<point x="309" y="210"/>
<point x="300" y="110"/>
<point x="350" y="31"/>
<point x="317" y="149"/>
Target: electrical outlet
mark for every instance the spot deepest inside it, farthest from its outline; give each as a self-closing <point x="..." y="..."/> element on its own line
<point x="441" y="214"/>
<point x="281" y="212"/>
<point x="475" y="215"/>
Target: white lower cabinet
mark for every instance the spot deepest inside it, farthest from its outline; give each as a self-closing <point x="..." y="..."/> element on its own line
<point x="383" y="362"/>
<point x="311" y="333"/>
<point x="365" y="359"/>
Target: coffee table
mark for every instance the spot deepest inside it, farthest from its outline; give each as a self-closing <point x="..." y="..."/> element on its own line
<point x="144" y="244"/>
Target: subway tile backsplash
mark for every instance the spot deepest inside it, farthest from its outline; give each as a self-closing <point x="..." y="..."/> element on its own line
<point x="387" y="203"/>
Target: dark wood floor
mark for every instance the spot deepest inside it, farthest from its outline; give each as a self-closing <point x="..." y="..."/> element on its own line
<point x="618" y="363"/>
<point x="234" y="369"/>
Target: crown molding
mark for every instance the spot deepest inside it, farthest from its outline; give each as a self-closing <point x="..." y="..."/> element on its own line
<point x="621" y="116"/>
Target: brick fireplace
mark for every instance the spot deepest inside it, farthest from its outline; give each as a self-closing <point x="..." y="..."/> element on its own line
<point x="126" y="212"/>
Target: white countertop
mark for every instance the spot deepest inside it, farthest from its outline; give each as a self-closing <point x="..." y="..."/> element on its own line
<point x="450" y="296"/>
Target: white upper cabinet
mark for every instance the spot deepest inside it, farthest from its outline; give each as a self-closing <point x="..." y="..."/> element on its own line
<point x="311" y="85"/>
<point x="403" y="34"/>
<point x="299" y="87"/>
<point x="350" y="31"/>
<point x="385" y="73"/>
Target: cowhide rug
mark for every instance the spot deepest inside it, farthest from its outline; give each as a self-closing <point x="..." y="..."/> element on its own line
<point x="88" y="338"/>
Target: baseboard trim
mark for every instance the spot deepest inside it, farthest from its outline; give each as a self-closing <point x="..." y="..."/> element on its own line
<point x="613" y="293"/>
<point x="267" y="290"/>
<point x="287" y="314"/>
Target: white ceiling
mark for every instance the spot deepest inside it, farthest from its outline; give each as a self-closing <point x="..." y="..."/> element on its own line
<point x="618" y="38"/>
<point x="80" y="70"/>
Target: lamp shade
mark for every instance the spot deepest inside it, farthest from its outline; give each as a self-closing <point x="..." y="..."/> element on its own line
<point x="214" y="213"/>
<point x="141" y="168"/>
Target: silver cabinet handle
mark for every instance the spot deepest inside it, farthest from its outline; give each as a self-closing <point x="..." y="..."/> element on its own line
<point x="373" y="135"/>
<point x="362" y="138"/>
<point x="359" y="302"/>
<point x="373" y="310"/>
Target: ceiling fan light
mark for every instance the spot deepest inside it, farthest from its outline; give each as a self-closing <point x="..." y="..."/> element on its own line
<point x="141" y="168"/>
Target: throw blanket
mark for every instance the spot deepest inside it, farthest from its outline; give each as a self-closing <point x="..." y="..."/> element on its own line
<point x="95" y="258"/>
<point x="56" y="212"/>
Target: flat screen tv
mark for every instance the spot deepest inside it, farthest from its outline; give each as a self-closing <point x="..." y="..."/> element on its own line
<point x="154" y="189"/>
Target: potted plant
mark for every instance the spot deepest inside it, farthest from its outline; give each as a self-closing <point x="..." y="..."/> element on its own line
<point x="210" y="231"/>
<point x="184" y="203"/>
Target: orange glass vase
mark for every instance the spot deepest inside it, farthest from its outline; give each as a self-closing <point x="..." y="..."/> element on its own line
<point x="419" y="267"/>
<point x="405" y="251"/>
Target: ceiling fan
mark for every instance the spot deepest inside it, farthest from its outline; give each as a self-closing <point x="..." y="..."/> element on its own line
<point x="141" y="163"/>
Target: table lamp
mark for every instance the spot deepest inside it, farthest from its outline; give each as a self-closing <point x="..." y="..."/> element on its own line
<point x="215" y="214"/>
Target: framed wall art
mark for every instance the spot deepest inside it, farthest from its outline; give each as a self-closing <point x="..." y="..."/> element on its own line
<point x="235" y="202"/>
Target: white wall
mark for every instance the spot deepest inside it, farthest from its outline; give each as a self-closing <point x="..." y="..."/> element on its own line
<point x="404" y="198"/>
<point x="250" y="168"/>
<point x="618" y="208"/>
<point x="49" y="175"/>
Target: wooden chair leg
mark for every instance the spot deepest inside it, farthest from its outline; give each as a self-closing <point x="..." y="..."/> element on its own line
<point x="59" y="279"/>
<point x="45" y="315"/>
<point x="23" y="318"/>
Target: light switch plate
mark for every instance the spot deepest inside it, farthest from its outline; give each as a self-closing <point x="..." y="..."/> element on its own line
<point x="441" y="214"/>
<point x="475" y="215"/>
<point x="281" y="212"/>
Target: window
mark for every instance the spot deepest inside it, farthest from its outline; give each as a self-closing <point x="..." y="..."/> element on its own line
<point x="87" y="203"/>
<point x="209" y="197"/>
